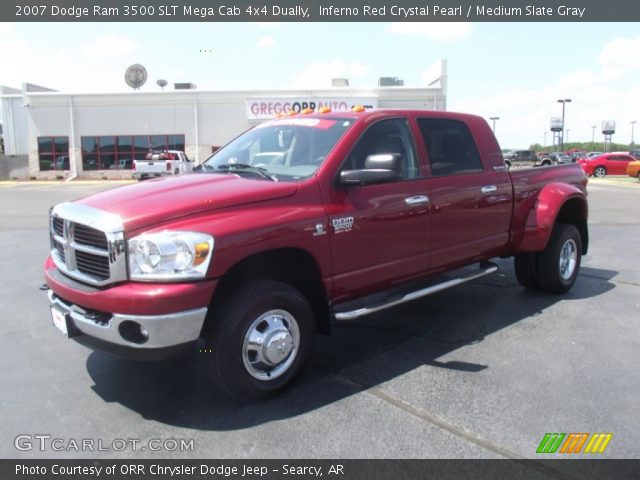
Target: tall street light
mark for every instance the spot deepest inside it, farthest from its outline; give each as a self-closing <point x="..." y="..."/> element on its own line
<point x="563" y="102"/>
<point x="493" y="119"/>
<point x="593" y="133"/>
<point x="567" y="137"/>
<point x="545" y="139"/>
<point x="633" y="124"/>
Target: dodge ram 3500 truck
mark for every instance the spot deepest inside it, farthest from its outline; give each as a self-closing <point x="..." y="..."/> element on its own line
<point x="301" y="222"/>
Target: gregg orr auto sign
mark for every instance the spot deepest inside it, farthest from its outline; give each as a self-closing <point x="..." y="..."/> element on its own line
<point x="268" y="107"/>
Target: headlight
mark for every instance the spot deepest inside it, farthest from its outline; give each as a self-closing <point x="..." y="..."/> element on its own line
<point x="170" y="256"/>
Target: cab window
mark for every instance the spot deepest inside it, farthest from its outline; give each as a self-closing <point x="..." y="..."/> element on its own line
<point x="450" y="146"/>
<point x="386" y="136"/>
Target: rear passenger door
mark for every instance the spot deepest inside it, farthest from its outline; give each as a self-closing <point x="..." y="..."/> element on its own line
<point x="470" y="201"/>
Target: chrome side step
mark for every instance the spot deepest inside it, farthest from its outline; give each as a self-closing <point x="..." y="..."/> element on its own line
<point x="486" y="268"/>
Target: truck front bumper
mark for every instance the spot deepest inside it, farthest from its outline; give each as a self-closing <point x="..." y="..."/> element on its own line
<point x="142" y="337"/>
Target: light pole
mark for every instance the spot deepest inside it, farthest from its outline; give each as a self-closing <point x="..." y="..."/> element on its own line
<point x="567" y="137"/>
<point x="493" y="119"/>
<point x="545" y="140"/>
<point x="563" y="102"/>
<point x="593" y="134"/>
<point x="633" y="124"/>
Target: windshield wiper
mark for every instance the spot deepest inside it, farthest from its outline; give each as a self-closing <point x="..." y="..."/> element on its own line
<point x="262" y="172"/>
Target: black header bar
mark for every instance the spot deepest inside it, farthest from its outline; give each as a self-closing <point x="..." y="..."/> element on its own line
<point x="316" y="469"/>
<point x="320" y="11"/>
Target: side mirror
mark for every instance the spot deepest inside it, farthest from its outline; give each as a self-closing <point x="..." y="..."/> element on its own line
<point x="379" y="168"/>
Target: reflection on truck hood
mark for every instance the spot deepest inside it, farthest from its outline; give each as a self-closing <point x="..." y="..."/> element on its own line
<point x="153" y="201"/>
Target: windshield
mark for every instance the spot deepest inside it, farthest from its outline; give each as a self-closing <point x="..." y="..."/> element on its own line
<point x="289" y="149"/>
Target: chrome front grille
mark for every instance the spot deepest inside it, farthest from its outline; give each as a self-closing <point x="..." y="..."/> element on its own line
<point x="87" y="244"/>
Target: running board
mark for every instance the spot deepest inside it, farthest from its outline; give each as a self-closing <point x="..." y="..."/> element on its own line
<point x="486" y="268"/>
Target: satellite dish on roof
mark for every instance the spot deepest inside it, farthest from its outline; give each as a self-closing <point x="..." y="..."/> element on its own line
<point x="162" y="83"/>
<point x="135" y="76"/>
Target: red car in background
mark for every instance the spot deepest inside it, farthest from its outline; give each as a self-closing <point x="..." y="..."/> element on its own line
<point x="606" y="164"/>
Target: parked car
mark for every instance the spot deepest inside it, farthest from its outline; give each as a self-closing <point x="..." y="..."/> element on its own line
<point x="593" y="154"/>
<point x="607" y="164"/>
<point x="60" y="163"/>
<point x="123" y="164"/>
<point x="561" y="158"/>
<point x="162" y="163"/>
<point x="525" y="158"/>
<point x="633" y="169"/>
<point x="635" y="154"/>
<point x="368" y="209"/>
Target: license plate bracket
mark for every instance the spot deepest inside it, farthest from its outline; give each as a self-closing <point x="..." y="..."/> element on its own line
<point x="60" y="320"/>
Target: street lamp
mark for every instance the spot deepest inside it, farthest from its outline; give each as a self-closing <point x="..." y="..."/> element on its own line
<point x="567" y="137"/>
<point x="593" y="133"/>
<point x="633" y="124"/>
<point x="545" y="139"/>
<point x="493" y="119"/>
<point x="563" y="102"/>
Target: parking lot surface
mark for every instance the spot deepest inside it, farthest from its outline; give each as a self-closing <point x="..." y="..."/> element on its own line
<point x="483" y="370"/>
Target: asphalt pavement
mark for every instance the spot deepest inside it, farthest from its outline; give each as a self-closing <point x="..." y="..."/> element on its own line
<point x="483" y="370"/>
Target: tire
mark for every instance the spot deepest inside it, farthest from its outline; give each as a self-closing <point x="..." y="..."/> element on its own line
<point x="176" y="171"/>
<point x="599" y="172"/>
<point x="526" y="271"/>
<point x="507" y="164"/>
<point x="546" y="163"/>
<point x="274" y="314"/>
<point x="558" y="264"/>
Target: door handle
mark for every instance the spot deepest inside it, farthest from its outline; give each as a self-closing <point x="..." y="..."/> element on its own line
<point x="489" y="189"/>
<point x="416" y="200"/>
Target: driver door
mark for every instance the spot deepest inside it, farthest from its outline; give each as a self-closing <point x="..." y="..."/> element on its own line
<point x="380" y="233"/>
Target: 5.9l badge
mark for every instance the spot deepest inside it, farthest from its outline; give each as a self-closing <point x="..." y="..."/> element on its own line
<point x="343" y="224"/>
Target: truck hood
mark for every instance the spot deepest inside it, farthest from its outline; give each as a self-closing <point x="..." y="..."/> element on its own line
<point x="153" y="201"/>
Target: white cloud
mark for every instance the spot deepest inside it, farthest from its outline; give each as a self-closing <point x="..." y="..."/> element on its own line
<point x="619" y="57"/>
<point x="109" y="45"/>
<point x="7" y="29"/>
<point x="358" y="70"/>
<point x="266" y="42"/>
<point x="438" y="32"/>
<point x="319" y="75"/>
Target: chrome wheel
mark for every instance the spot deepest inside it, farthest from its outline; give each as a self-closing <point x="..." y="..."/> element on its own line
<point x="599" y="172"/>
<point x="271" y="344"/>
<point x="568" y="259"/>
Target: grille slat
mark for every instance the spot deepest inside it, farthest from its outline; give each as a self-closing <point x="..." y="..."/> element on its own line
<point x="90" y="236"/>
<point x="92" y="265"/>
<point x="60" y="250"/>
<point x="58" y="226"/>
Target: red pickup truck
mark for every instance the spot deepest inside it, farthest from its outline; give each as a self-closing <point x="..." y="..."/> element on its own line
<point x="300" y="222"/>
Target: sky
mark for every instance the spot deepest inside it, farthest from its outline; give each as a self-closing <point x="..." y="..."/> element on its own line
<point x="515" y="71"/>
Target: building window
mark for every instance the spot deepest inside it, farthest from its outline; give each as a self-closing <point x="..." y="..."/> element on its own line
<point x="119" y="152"/>
<point x="53" y="153"/>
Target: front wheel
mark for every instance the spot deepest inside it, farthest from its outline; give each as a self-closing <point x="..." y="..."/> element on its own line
<point x="261" y="338"/>
<point x="559" y="263"/>
<point x="599" y="172"/>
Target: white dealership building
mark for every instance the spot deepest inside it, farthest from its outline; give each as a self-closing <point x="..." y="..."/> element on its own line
<point x="62" y="134"/>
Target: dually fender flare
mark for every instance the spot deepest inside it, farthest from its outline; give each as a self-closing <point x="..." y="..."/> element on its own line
<point x="543" y="216"/>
